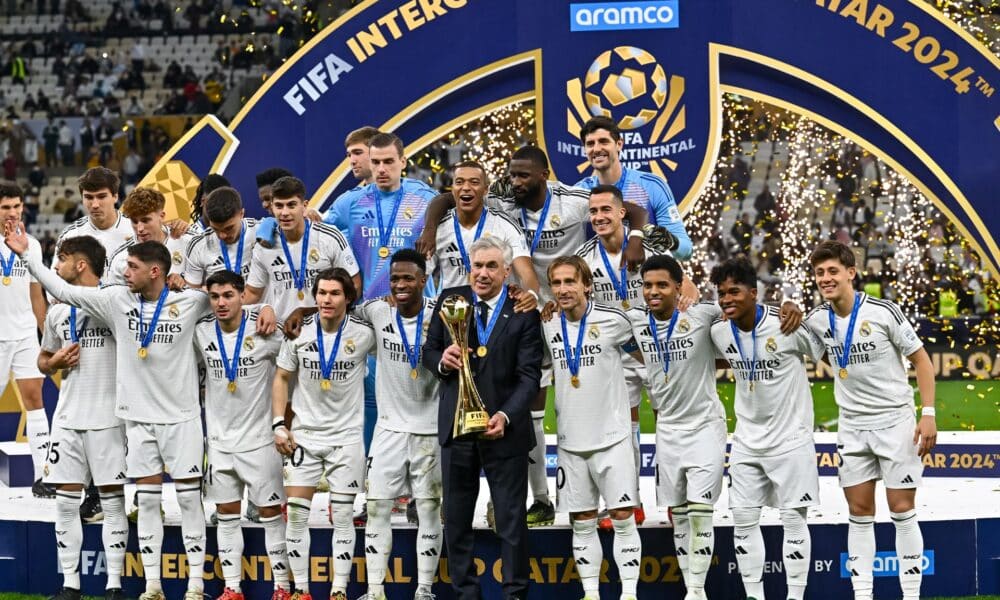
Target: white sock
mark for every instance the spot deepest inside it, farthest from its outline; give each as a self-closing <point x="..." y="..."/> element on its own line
<point x="796" y="551"/>
<point x="344" y="537"/>
<point x="36" y="427"/>
<point x="628" y="553"/>
<point x="910" y="551"/>
<point x="749" y="545"/>
<point x="297" y="539"/>
<point x="69" y="536"/>
<point x="277" y="555"/>
<point x="193" y="531"/>
<point x="702" y="544"/>
<point x="150" y="531"/>
<point x="636" y="452"/>
<point x="229" y="538"/>
<point x="114" y="534"/>
<point x="378" y="544"/>
<point x="682" y="539"/>
<point x="538" y="479"/>
<point x="429" y="540"/>
<point x="861" y="554"/>
<point x="588" y="555"/>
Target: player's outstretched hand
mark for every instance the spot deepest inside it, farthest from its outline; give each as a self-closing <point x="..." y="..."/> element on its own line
<point x="549" y="310"/>
<point x="926" y="435"/>
<point x="689" y="295"/>
<point x="495" y="427"/>
<point x="791" y="317"/>
<point x="15" y="237"/>
<point x="284" y="441"/>
<point x="635" y="254"/>
<point x="426" y="244"/>
<point x="313" y="215"/>
<point x="176" y="282"/>
<point x="293" y="324"/>
<point x="523" y="301"/>
<point x="267" y="321"/>
<point x="66" y="357"/>
<point x="177" y="228"/>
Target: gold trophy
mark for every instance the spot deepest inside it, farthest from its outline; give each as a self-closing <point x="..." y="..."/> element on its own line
<point x="470" y="412"/>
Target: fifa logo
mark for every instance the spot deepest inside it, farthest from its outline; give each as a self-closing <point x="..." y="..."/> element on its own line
<point x="628" y="85"/>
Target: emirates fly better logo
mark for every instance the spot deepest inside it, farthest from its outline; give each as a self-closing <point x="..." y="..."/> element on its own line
<point x="628" y="85"/>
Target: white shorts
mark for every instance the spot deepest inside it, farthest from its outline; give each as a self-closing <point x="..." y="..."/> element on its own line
<point x="343" y="466"/>
<point x="788" y="480"/>
<point x="20" y="359"/>
<point x="887" y="454"/>
<point x="177" y="448"/>
<point x="76" y="456"/>
<point x="635" y="380"/>
<point x="689" y="464"/>
<point x="402" y="463"/>
<point x="258" y="470"/>
<point x="582" y="478"/>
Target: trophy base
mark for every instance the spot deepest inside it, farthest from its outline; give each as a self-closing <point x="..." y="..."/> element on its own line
<point x="474" y="422"/>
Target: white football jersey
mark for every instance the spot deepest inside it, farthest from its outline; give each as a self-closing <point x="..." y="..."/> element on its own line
<point x="596" y="414"/>
<point x="777" y="416"/>
<point x="17" y="321"/>
<point x="119" y="258"/>
<point x="204" y="254"/>
<point x="562" y="232"/>
<point x="240" y="420"/>
<point x="686" y="398"/>
<point x="87" y="391"/>
<point x="447" y="265"/>
<point x="404" y="404"/>
<point x="270" y="271"/>
<point x="337" y="414"/>
<point x="163" y="387"/>
<point x="111" y="238"/>
<point x="604" y="289"/>
<point x="876" y="393"/>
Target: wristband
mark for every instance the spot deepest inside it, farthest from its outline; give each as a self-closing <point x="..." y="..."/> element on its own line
<point x="927" y="411"/>
<point x="277" y="422"/>
<point x="637" y="233"/>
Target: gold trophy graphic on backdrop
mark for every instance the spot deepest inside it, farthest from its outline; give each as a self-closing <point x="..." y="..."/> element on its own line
<point x="470" y="412"/>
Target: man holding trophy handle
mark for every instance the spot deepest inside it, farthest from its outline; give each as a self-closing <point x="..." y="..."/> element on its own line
<point x="504" y="354"/>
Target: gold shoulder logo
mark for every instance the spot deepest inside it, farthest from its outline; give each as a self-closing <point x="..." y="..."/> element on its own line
<point x="771" y="345"/>
<point x="683" y="326"/>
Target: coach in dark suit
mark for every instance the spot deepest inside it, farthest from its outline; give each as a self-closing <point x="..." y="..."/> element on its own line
<point x="507" y="379"/>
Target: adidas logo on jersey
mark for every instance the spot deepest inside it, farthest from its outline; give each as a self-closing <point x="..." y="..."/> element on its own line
<point x="907" y="479"/>
<point x="193" y="549"/>
<point x="146" y="550"/>
<point x="795" y="556"/>
<point x="682" y="552"/>
<point x="557" y="338"/>
<point x="227" y="563"/>
<point x="707" y="495"/>
<point x="741" y="550"/>
<point x="353" y="484"/>
<point x="278" y="262"/>
<point x="274" y="497"/>
<point x="371" y="550"/>
<point x="703" y="551"/>
<point x="120" y="476"/>
<point x="625" y="498"/>
<point x="294" y="554"/>
<point x="913" y="571"/>
<point x="278" y="566"/>
<point x="806" y="498"/>
<point x="369" y="215"/>
<point x="211" y="347"/>
<point x="582" y="561"/>
<point x="430" y="552"/>
<point x="732" y="350"/>
<point x="345" y="556"/>
<point x="632" y="563"/>
<point x="389" y="329"/>
<point x="313" y="347"/>
<point x="194" y="470"/>
<point x="452" y="247"/>
<point x="119" y="545"/>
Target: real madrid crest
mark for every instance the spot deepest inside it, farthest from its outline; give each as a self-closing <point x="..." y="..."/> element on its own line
<point x="248" y="343"/>
<point x="177" y="258"/>
<point x="771" y="345"/>
<point x="866" y="329"/>
<point x="349" y="346"/>
<point x="173" y="311"/>
<point x="594" y="332"/>
<point x="683" y="326"/>
<point x="555" y="220"/>
<point x="408" y="213"/>
<point x="314" y="255"/>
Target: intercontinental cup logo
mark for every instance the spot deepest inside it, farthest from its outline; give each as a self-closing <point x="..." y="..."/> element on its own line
<point x="627" y="84"/>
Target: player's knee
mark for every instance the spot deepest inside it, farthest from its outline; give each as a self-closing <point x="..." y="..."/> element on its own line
<point x="583" y="516"/>
<point x="746" y="517"/>
<point x="110" y="489"/>
<point x="298" y="510"/>
<point x="31" y="393"/>
<point x="269" y="512"/>
<point x="379" y="508"/>
<point x="794" y="520"/>
<point x="900" y="501"/>
<point x="70" y="487"/>
<point x="229" y="508"/>
<point x="620" y="514"/>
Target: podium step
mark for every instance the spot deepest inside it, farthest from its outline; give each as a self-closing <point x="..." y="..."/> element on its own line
<point x="16" y="469"/>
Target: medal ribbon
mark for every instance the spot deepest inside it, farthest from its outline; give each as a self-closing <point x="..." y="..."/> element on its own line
<point x="753" y="340"/>
<point x="620" y="283"/>
<point x="298" y="276"/>
<point x="74" y="333"/>
<point x="385" y="232"/>
<point x="541" y="221"/>
<point x="662" y="348"/>
<point x="231" y="368"/>
<point x="573" y="360"/>
<point x="326" y="362"/>
<point x="845" y="354"/>
<point x="412" y="354"/>
<point x="458" y="237"/>
<point x="484" y="333"/>
<point x="239" y="253"/>
<point x="148" y="336"/>
<point x="7" y="265"/>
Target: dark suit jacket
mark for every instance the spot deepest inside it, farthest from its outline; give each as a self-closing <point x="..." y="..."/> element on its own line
<point x="507" y="378"/>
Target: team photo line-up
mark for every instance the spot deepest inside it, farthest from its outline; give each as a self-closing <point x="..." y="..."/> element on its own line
<point x="336" y="351"/>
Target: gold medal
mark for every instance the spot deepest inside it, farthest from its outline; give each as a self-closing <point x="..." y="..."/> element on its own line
<point x="751" y="386"/>
<point x="413" y="373"/>
<point x="231" y="387"/>
<point x="481" y="351"/>
<point x="625" y="304"/>
<point x="383" y="252"/>
<point x="6" y="280"/>
<point x="302" y="295"/>
<point x="575" y="381"/>
<point x="325" y="385"/>
<point x="143" y="353"/>
<point x="843" y="373"/>
<point x="666" y="378"/>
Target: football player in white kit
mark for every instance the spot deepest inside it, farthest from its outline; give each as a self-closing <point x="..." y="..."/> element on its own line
<point x="405" y="456"/>
<point x="228" y="242"/>
<point x="328" y="361"/>
<point x="878" y="436"/>
<point x="241" y="456"/>
<point x="586" y="343"/>
<point x="99" y="191"/>
<point x="88" y="440"/>
<point x="156" y="393"/>
<point x="772" y="461"/>
<point x="144" y="208"/>
<point x="22" y="316"/>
